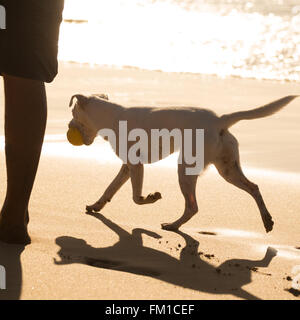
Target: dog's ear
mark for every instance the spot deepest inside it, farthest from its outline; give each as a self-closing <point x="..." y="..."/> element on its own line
<point x="101" y="96"/>
<point x="80" y="98"/>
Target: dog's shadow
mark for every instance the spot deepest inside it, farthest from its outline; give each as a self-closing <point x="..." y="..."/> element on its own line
<point x="190" y="271"/>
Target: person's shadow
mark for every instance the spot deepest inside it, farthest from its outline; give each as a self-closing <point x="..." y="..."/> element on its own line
<point x="190" y="271"/>
<point x="10" y="271"/>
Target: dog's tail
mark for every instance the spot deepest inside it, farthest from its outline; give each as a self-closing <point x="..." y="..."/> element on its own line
<point x="228" y="120"/>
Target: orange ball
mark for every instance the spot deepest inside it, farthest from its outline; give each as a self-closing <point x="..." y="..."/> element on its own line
<point x="74" y="137"/>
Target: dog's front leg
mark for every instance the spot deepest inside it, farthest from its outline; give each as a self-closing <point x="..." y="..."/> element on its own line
<point x="116" y="184"/>
<point x="137" y="177"/>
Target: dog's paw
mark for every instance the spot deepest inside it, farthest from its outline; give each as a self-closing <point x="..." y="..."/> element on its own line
<point x="96" y="207"/>
<point x="269" y="226"/>
<point x="268" y="223"/>
<point x="89" y="209"/>
<point x="169" y="226"/>
<point x="152" y="197"/>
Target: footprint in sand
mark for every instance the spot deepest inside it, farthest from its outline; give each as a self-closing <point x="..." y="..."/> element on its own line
<point x="207" y="233"/>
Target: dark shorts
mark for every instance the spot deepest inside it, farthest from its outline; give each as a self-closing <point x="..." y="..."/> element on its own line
<point x="29" y="44"/>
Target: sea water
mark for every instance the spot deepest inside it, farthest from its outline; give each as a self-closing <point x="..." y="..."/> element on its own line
<point x="250" y="39"/>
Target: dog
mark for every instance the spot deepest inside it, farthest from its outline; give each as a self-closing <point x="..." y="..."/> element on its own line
<point x="95" y="112"/>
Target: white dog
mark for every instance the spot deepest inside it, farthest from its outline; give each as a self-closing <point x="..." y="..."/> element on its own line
<point x="93" y="113"/>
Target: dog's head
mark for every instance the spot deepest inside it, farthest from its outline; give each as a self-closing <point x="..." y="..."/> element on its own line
<point x="83" y="116"/>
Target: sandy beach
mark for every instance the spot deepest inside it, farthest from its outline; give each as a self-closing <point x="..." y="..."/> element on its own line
<point x="122" y="253"/>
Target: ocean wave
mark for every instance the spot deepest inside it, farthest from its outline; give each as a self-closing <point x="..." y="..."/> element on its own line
<point x="225" y="38"/>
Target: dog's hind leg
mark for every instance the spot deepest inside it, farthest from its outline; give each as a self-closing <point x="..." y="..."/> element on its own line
<point x="188" y="188"/>
<point x="137" y="177"/>
<point x="116" y="184"/>
<point x="231" y="171"/>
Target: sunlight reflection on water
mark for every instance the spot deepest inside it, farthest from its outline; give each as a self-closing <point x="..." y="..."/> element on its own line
<point x="167" y="36"/>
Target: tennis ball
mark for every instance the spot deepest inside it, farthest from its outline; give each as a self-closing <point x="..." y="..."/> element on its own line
<point x="74" y="136"/>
